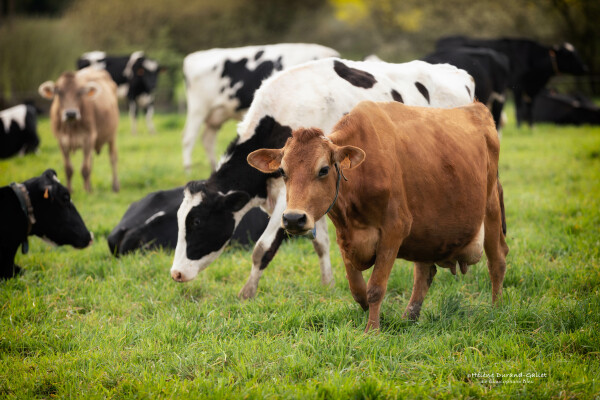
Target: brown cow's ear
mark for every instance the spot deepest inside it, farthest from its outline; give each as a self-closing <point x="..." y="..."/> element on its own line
<point x="46" y="90"/>
<point x="265" y="160"/>
<point x="349" y="156"/>
<point x="91" y="90"/>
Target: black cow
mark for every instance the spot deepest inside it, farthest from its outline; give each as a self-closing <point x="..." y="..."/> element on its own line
<point x="40" y="206"/>
<point x="136" y="76"/>
<point x="565" y="109"/>
<point x="488" y="68"/>
<point x="531" y="66"/>
<point x="152" y="222"/>
<point x="18" y="131"/>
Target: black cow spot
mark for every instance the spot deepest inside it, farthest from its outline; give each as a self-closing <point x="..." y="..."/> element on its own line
<point x="250" y="79"/>
<point x="397" y="96"/>
<point x="355" y="76"/>
<point x="222" y="89"/>
<point x="423" y="90"/>
<point x="208" y="227"/>
<point x="468" y="90"/>
<point x="259" y="55"/>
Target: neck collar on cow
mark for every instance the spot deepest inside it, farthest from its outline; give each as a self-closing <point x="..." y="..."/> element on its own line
<point x="554" y="62"/>
<point x="337" y="185"/>
<point x="25" y="202"/>
<point x="337" y="191"/>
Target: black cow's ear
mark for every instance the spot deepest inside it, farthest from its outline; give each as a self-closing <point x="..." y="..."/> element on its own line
<point x="235" y="201"/>
<point x="50" y="173"/>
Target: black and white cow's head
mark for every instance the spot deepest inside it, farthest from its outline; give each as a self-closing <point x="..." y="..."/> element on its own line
<point x="56" y="218"/>
<point x="206" y="221"/>
<point x="142" y="75"/>
<point x="568" y="60"/>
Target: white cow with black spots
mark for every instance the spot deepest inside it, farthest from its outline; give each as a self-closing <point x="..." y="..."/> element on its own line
<point x="315" y="94"/>
<point x="220" y="85"/>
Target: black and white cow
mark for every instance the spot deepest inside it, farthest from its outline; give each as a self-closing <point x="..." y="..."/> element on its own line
<point x="18" y="131"/>
<point x="220" y="85"/>
<point x="315" y="94"/>
<point x="488" y="67"/>
<point x="40" y="206"/>
<point x="152" y="223"/>
<point x="531" y="65"/>
<point x="565" y="109"/>
<point x="136" y="77"/>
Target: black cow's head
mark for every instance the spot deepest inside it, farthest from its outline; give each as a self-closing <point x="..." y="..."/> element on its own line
<point x="57" y="219"/>
<point x="568" y="60"/>
<point x="206" y="220"/>
<point x="142" y="77"/>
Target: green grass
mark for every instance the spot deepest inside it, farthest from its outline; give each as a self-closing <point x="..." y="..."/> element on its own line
<point x="80" y="323"/>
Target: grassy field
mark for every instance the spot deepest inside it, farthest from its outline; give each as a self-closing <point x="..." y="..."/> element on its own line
<point x="82" y="324"/>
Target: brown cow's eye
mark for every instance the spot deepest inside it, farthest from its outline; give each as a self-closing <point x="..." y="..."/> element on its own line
<point x="280" y="170"/>
<point x="323" y="172"/>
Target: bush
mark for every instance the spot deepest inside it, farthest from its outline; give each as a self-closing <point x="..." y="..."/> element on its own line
<point x="33" y="50"/>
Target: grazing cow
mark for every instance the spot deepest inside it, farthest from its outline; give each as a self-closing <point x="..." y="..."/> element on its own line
<point x="152" y="222"/>
<point x="488" y="67"/>
<point x="419" y="184"/>
<point x="317" y="94"/>
<point x="220" y="85"/>
<point x="40" y="206"/>
<point x="531" y="66"/>
<point x="18" y="131"/>
<point x="565" y="109"/>
<point x="84" y="114"/>
<point x="136" y="77"/>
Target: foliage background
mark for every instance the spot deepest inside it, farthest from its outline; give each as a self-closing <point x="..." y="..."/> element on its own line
<point x="39" y="39"/>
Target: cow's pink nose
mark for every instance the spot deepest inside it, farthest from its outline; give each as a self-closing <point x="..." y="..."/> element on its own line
<point x="176" y="275"/>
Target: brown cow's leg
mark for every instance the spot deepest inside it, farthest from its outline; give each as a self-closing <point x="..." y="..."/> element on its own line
<point x="68" y="166"/>
<point x="423" y="277"/>
<point x="377" y="285"/>
<point x="495" y="245"/>
<point x="86" y="168"/>
<point x="113" y="163"/>
<point x="358" y="286"/>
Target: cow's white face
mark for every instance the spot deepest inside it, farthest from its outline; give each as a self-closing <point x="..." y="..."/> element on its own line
<point x="206" y="221"/>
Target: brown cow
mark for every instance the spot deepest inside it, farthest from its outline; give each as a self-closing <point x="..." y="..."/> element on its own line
<point x="84" y="114"/>
<point x="426" y="191"/>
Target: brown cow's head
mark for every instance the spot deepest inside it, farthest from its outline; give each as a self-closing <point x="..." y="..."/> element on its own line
<point x="310" y="165"/>
<point x="69" y="92"/>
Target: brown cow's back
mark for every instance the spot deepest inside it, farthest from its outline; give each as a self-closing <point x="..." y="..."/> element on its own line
<point x="399" y="141"/>
<point x="105" y="105"/>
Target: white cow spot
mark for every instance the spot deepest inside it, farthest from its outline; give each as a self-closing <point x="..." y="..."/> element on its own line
<point x="17" y="114"/>
<point x="153" y="217"/>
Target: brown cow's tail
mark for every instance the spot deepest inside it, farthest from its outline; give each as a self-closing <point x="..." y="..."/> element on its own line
<point x="501" y="198"/>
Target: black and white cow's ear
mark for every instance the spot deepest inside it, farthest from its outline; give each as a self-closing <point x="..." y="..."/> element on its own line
<point x="265" y="160"/>
<point x="235" y="201"/>
<point x="46" y="90"/>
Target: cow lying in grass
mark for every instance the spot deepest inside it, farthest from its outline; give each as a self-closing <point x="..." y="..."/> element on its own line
<point x="418" y="183"/>
<point x="40" y="206"/>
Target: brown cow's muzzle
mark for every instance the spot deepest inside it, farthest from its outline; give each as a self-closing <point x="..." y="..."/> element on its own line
<point x="71" y="114"/>
<point x="297" y="222"/>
